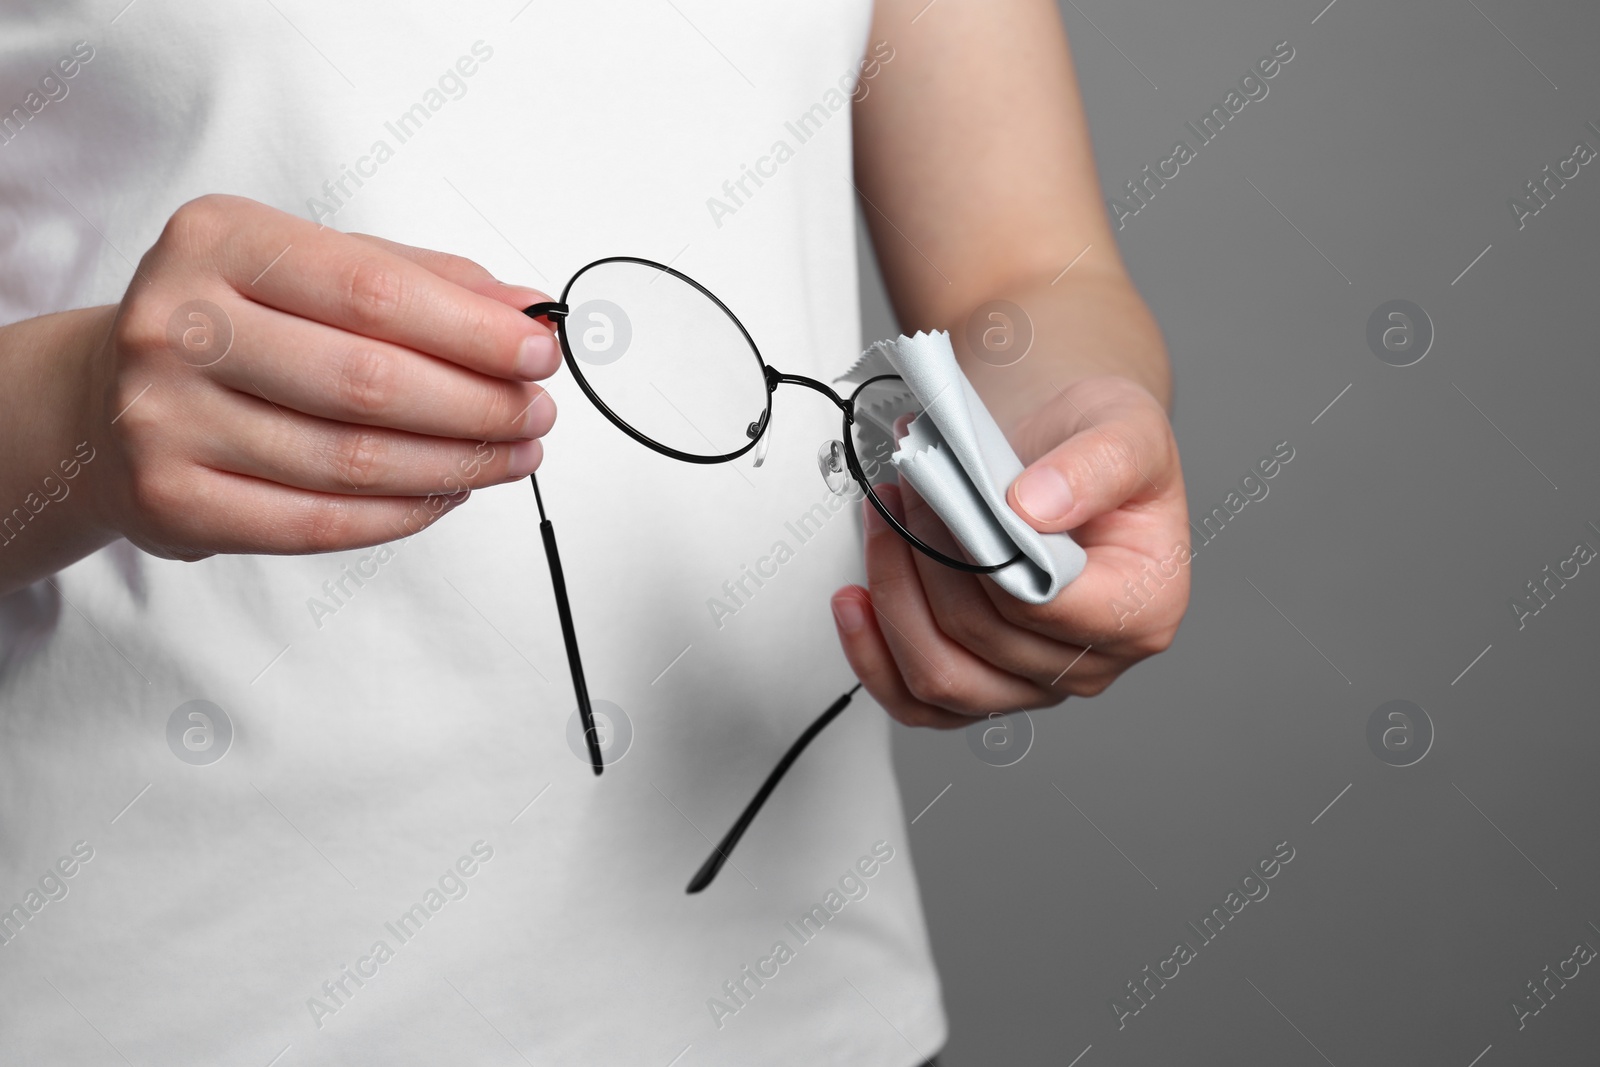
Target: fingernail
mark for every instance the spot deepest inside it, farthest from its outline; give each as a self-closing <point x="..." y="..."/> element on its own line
<point x="524" y="459"/>
<point x="848" y="614"/>
<point x="537" y="357"/>
<point x="539" y="416"/>
<point x="1044" y="494"/>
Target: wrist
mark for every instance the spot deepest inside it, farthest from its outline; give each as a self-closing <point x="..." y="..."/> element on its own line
<point x="50" y="512"/>
<point x="92" y="423"/>
<point x="1092" y="325"/>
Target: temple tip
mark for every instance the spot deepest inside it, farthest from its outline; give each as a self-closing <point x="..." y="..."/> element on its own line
<point x="707" y="872"/>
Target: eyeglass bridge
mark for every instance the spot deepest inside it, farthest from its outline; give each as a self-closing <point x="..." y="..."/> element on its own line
<point x="776" y="377"/>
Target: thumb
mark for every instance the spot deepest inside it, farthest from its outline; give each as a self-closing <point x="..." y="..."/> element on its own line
<point x="1094" y="471"/>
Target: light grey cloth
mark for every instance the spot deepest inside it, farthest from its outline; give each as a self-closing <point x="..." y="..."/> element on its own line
<point x="956" y="457"/>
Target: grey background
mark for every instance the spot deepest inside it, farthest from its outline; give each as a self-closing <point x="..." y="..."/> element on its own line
<point x="1419" y="904"/>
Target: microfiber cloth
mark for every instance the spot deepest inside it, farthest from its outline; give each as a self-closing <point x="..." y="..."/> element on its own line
<point x="958" y="460"/>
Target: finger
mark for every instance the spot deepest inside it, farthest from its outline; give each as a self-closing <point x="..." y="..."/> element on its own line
<point x="462" y="271"/>
<point x="320" y="370"/>
<point x="313" y="272"/>
<point x="1126" y="604"/>
<point x="967" y="615"/>
<point x="869" y="657"/>
<point x="253" y="437"/>
<point x="937" y="670"/>
<point x="1120" y="450"/>
<point x="232" y="513"/>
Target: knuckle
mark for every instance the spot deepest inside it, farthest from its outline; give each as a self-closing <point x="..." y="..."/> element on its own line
<point x="325" y="525"/>
<point x="1112" y="452"/>
<point x="504" y="417"/>
<point x="484" y="466"/>
<point x="1092" y="685"/>
<point x="968" y="628"/>
<point x="1022" y="614"/>
<point x="478" y="331"/>
<point x="906" y="714"/>
<point x="153" y="494"/>
<point x="915" y="717"/>
<point x="462" y="267"/>
<point x="201" y="220"/>
<point x="891" y="582"/>
<point x="356" y="457"/>
<point x="937" y="687"/>
<point x="373" y="292"/>
<point x="1155" y="642"/>
<point x="428" y="511"/>
<point x="366" y="381"/>
<point x="1167" y="445"/>
<point x="194" y="233"/>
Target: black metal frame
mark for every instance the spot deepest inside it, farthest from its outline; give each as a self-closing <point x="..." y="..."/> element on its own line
<point x="556" y="312"/>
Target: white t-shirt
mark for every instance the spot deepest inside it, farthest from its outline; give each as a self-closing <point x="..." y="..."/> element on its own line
<point x="400" y="858"/>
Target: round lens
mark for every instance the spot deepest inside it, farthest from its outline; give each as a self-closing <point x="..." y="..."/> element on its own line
<point x="665" y="359"/>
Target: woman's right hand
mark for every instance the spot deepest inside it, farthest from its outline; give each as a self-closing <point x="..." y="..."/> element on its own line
<point x="268" y="385"/>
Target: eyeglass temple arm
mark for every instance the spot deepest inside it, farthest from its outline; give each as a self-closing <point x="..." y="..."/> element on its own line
<point x="714" y="862"/>
<point x="569" y="633"/>
<point x="553" y="310"/>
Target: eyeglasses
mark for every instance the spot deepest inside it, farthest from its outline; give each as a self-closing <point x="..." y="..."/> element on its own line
<point x="671" y="366"/>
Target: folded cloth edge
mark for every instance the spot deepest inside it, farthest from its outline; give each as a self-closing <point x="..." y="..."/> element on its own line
<point x="958" y="459"/>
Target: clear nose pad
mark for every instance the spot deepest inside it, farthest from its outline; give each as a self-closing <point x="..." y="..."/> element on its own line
<point x="833" y="465"/>
<point x="764" y="429"/>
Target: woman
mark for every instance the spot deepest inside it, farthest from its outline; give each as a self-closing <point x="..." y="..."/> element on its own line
<point x="257" y="353"/>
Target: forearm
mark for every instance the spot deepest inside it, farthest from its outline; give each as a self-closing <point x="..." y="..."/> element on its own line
<point x="976" y="168"/>
<point x="47" y="451"/>
<point x="1083" y="324"/>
